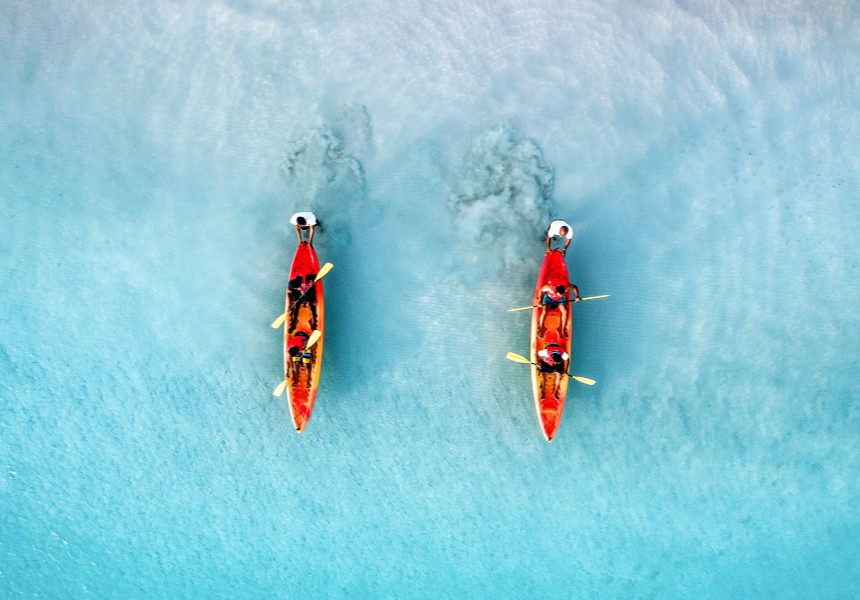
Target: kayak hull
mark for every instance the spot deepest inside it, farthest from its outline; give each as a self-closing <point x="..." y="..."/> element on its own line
<point x="302" y="384"/>
<point x="549" y="398"/>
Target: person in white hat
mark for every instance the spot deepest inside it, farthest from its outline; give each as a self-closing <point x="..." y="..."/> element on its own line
<point x="558" y="229"/>
<point x="305" y="222"/>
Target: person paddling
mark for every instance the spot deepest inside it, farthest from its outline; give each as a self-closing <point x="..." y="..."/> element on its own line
<point x="305" y="223"/>
<point x="552" y="360"/>
<point x="560" y="230"/>
<point x="302" y="291"/>
<point x="554" y="296"/>
<point x="300" y="357"/>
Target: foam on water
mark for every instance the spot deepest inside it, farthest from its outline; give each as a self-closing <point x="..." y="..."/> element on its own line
<point x="502" y="198"/>
<point x="326" y="179"/>
<point x="706" y="157"/>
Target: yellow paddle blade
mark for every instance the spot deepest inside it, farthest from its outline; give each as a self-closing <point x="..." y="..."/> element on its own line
<point x="324" y="271"/>
<point x="517" y="358"/>
<point x="280" y="389"/>
<point x="279" y="321"/>
<point x="594" y="297"/>
<point x="584" y="380"/>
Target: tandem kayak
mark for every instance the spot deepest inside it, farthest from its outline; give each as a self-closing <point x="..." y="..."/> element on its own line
<point x="304" y="314"/>
<point x="550" y="388"/>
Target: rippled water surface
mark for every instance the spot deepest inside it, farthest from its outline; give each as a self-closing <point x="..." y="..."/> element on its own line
<point x="706" y="155"/>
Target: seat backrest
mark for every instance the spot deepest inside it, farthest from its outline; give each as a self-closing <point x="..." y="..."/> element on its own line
<point x="304" y="327"/>
<point x="551" y="337"/>
<point x="305" y="313"/>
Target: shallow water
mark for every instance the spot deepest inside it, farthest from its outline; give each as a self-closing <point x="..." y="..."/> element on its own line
<point x="707" y="159"/>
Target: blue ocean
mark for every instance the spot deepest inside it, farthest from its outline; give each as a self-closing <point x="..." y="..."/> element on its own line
<point x="707" y="156"/>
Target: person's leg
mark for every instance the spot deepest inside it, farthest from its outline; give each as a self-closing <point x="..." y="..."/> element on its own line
<point x="306" y="365"/>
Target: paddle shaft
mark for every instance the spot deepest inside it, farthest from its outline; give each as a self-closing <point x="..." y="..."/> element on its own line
<point x="522" y="359"/>
<point x="565" y="301"/>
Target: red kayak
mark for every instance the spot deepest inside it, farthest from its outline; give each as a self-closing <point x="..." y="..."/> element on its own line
<point x="550" y="388"/>
<point x="303" y="317"/>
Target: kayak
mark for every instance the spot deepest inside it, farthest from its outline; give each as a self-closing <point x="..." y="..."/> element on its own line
<point x="549" y="397"/>
<point x="304" y="318"/>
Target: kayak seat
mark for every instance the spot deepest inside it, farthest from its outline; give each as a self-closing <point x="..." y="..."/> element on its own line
<point x="551" y="322"/>
<point x="550" y="337"/>
<point x="305" y="314"/>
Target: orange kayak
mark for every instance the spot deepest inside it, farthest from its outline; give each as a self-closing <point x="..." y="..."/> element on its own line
<point x="303" y="317"/>
<point x="550" y="389"/>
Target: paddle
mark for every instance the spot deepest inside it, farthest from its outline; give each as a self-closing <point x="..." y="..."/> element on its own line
<point x="523" y="359"/>
<point x="323" y="272"/>
<point x="315" y="336"/>
<point x="568" y="302"/>
<point x="313" y="339"/>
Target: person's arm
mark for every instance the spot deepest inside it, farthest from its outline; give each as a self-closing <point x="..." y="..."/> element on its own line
<point x="566" y="244"/>
<point x="544" y="294"/>
<point x="299" y="233"/>
<point x="548" y="241"/>
<point x="311" y="235"/>
<point x="575" y="289"/>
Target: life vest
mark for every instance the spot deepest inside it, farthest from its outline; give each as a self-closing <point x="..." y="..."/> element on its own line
<point x="553" y="295"/>
<point x="546" y="354"/>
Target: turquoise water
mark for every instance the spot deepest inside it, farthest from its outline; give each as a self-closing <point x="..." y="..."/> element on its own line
<point x="706" y="155"/>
